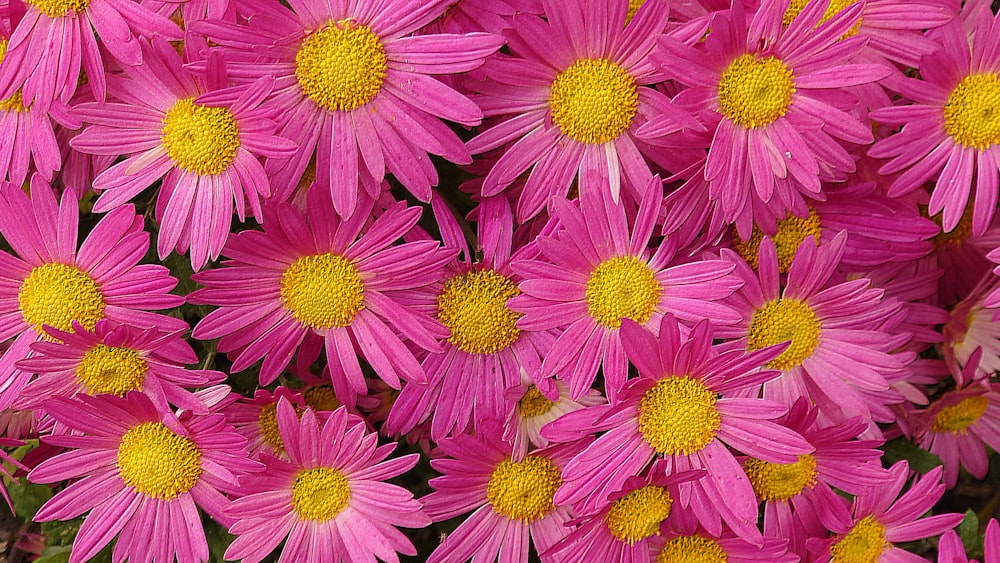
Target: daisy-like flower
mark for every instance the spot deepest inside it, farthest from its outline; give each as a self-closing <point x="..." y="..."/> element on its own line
<point x="683" y="410"/>
<point x="571" y="100"/>
<point x="142" y="474"/>
<point x="763" y="92"/>
<point x="597" y="272"/>
<point x="682" y="540"/>
<point x="114" y="359"/>
<point x="531" y="410"/>
<point x="328" y="502"/>
<point x="56" y="38"/>
<point x="314" y="272"/>
<point x="879" y="520"/>
<point x="203" y="142"/>
<point x="51" y="284"/>
<point x="512" y="499"/>
<point x="839" y="353"/>
<point x="950" y="127"/>
<point x="356" y="89"/>
<point x="972" y="325"/>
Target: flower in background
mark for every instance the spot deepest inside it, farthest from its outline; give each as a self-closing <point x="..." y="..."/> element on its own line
<point x="530" y="411"/>
<point x="329" y="501"/>
<point x="951" y="550"/>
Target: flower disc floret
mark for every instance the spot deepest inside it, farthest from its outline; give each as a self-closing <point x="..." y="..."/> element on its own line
<point x="754" y="92"/>
<point x="790" y="234"/>
<point x="58" y="294"/>
<point x="795" y="7"/>
<point x="200" y="139"/>
<point x="692" y="549"/>
<point x="781" y="481"/>
<point x="638" y="515"/>
<point x="957" y="418"/>
<point x="863" y="544"/>
<point x="780" y="320"/>
<point x="157" y="462"/>
<point x="972" y="112"/>
<point x="341" y="66"/>
<point x="323" y="291"/>
<point x="678" y="416"/>
<point x="320" y="493"/>
<point x="533" y="403"/>
<point x="622" y="287"/>
<point x="267" y="423"/>
<point x="111" y="370"/>
<point x="473" y="306"/>
<point x="523" y="490"/>
<point x="321" y="397"/>
<point x="59" y="8"/>
<point x="593" y="101"/>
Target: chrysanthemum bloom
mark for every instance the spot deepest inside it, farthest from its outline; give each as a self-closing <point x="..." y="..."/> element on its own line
<point x="839" y="353"/>
<point x="26" y="136"/>
<point x="685" y="408"/>
<point x="314" y="272"/>
<point x="357" y="90"/>
<point x="204" y="142"/>
<point x="50" y="283"/>
<point x="114" y="359"/>
<point x="682" y="540"/>
<point x="951" y="550"/>
<point x="972" y="325"/>
<point x="328" y="502"/>
<point x="950" y="126"/>
<point x="142" y="473"/>
<point x="571" y="100"/>
<point x="530" y="411"/>
<point x="763" y="91"/>
<point x="596" y="271"/>
<point x="879" y="520"/>
<point x="512" y="499"/>
<point x="56" y="39"/>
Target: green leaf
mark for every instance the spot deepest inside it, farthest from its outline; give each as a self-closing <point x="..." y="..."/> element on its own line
<point x="899" y="449"/>
<point x="28" y="498"/>
<point x="968" y="532"/>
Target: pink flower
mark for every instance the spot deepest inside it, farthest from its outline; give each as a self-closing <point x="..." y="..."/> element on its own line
<point x="951" y="550"/>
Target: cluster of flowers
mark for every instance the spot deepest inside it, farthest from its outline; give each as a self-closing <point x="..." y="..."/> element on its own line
<point x="709" y="257"/>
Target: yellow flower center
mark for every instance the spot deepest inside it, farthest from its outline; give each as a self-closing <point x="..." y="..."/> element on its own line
<point x="524" y="490"/>
<point x="633" y="7"/>
<point x="57" y="294"/>
<point x="111" y="370"/>
<point x="593" y="101"/>
<point x="790" y="234"/>
<point x="321" y="397"/>
<point x="341" y="66"/>
<point x="835" y="7"/>
<point x="692" y="549"/>
<point x="619" y="288"/>
<point x="267" y="422"/>
<point x="780" y="320"/>
<point x="157" y="462"/>
<point x="955" y="237"/>
<point x="323" y="291"/>
<point x="781" y="481"/>
<point x="972" y="112"/>
<point x="200" y="139"/>
<point x="678" y="416"/>
<point x="13" y="103"/>
<point x="59" y="8"/>
<point x="638" y="515"/>
<point x="957" y="418"/>
<point x="319" y="494"/>
<point x="474" y="308"/>
<point x="863" y="544"/>
<point x="754" y="92"/>
<point x="533" y="403"/>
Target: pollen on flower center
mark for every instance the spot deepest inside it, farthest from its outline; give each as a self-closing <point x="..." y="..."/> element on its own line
<point x="473" y="306"/>
<point x="863" y="544"/>
<point x="111" y="370"/>
<point x="200" y="139"/>
<point x="267" y="422"/>
<point x="322" y="291"/>
<point x="781" y="481"/>
<point x="633" y="7"/>
<point x="795" y="7"/>
<point x="341" y="66"/>
<point x="523" y="490"/>
<point x="692" y="549"/>
<point x="319" y="494"/>
<point x="321" y="397"/>
<point x="13" y="103"/>
<point x="780" y="320"/>
<point x="593" y="101"/>
<point x="533" y="403"/>
<point x="754" y="92"/>
<point x="638" y="515"/>
<point x="59" y="8"/>
<point x="790" y="234"/>
<point x="622" y="287"/>
<point x="957" y="418"/>
<point x="678" y="416"/>
<point x="972" y="112"/>
<point x="157" y="462"/>
<point x="57" y="294"/>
